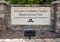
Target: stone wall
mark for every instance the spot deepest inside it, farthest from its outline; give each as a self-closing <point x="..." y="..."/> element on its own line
<point x="38" y="28"/>
<point x="43" y="31"/>
<point x="2" y="17"/>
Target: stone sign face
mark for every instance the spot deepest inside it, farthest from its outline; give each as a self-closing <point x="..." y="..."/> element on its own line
<point x="30" y="15"/>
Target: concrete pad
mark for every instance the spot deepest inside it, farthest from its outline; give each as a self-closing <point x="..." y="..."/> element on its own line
<point x="15" y="40"/>
<point x="1" y="40"/>
<point x="49" y="40"/>
<point x="7" y="40"/>
<point x="57" y="39"/>
<point x="38" y="40"/>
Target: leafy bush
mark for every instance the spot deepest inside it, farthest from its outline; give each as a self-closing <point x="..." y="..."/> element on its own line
<point x="29" y="1"/>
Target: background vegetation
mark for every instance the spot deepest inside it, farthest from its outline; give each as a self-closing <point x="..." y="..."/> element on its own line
<point x="29" y="1"/>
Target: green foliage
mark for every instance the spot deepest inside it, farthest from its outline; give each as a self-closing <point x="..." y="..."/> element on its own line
<point x="35" y="1"/>
<point x="48" y="1"/>
<point x="21" y="1"/>
<point x="13" y="1"/>
<point x="29" y="1"/>
<point x="32" y="2"/>
<point x="6" y="0"/>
